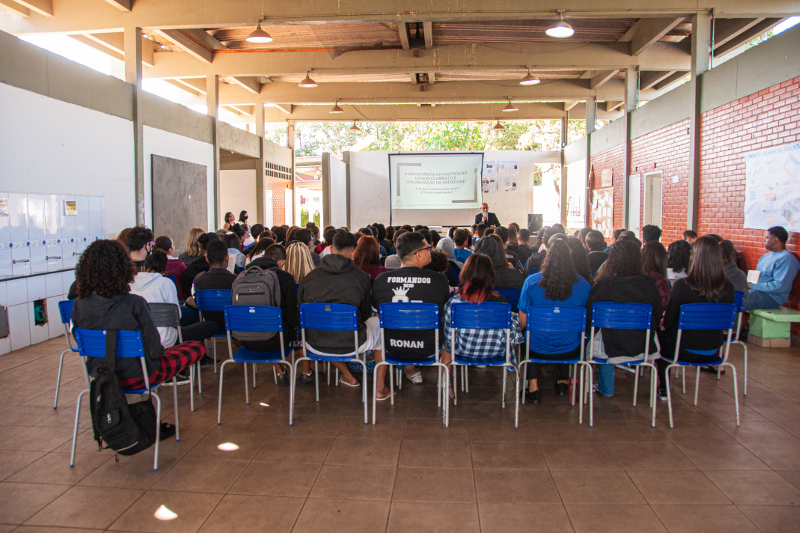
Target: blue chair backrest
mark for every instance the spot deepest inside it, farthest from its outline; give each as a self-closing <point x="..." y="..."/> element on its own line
<point x="707" y="316"/>
<point x="65" y="310"/>
<point x="253" y="318"/>
<point x="329" y="317"/>
<point x="738" y="301"/>
<point x="486" y="315"/>
<point x="512" y="295"/>
<point x="563" y="319"/>
<point x="533" y="271"/>
<point x="456" y="273"/>
<point x="409" y="316"/>
<point x="612" y="315"/>
<point x="213" y="299"/>
<point x="92" y="343"/>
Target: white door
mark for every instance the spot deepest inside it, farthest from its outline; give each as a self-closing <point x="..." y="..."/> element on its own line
<point x="634" y="203"/>
<point x="652" y="198"/>
<point x="268" y="221"/>
<point x="287" y="206"/>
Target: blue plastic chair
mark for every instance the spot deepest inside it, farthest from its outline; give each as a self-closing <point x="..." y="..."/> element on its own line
<point x="331" y="317"/>
<point x="213" y="300"/>
<point x="550" y="319"/>
<point x="411" y="317"/>
<point x="92" y="345"/>
<point x="533" y="271"/>
<point x="65" y="310"/>
<point x="483" y="316"/>
<point x="738" y="302"/>
<point x="254" y="318"/>
<point x="704" y="316"/>
<point x="456" y="274"/>
<point x="630" y="316"/>
<point x="512" y="295"/>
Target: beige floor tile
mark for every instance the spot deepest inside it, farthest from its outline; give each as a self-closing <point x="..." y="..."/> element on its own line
<point x="295" y="450"/>
<point x="208" y="448"/>
<point x="579" y="456"/>
<point x="792" y="476"/>
<point x="354" y="482"/>
<point x="311" y="426"/>
<point x="677" y="487"/>
<point x="433" y="517"/>
<point x="515" y="486"/>
<point x="54" y="468"/>
<point x="38" y="439"/>
<point x="596" y="487"/>
<point x="773" y="518"/>
<point x="704" y="519"/>
<point x="650" y="456"/>
<point x="444" y="454"/>
<point x="614" y="518"/>
<point x="367" y="452"/>
<point x="134" y="472"/>
<point x="504" y="454"/>
<point x="721" y="455"/>
<point x="276" y="479"/>
<point x="434" y="485"/>
<point x="493" y="431"/>
<point x="192" y="510"/>
<point x="87" y="507"/>
<point x="385" y="428"/>
<point x="433" y="430"/>
<point x="20" y="501"/>
<point x="352" y="516"/>
<point x="534" y="518"/>
<point x="236" y="513"/>
<point x="45" y="529"/>
<point x="201" y="475"/>
<point x="28" y="416"/>
<point x="12" y="461"/>
<point x="755" y="488"/>
<point x="777" y="455"/>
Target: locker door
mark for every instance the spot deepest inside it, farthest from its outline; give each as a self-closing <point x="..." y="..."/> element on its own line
<point x="5" y="240"/>
<point x="36" y="233"/>
<point x="68" y="222"/>
<point x="95" y="218"/>
<point x="82" y="218"/>
<point x="52" y="219"/>
<point x="69" y="257"/>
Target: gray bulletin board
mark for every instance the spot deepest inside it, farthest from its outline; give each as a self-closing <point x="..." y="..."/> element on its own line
<point x="179" y="198"/>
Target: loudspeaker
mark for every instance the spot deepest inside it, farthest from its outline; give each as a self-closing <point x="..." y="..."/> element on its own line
<point x="535" y="223"/>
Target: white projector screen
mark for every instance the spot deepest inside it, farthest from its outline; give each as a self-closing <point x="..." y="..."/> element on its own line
<point x="439" y="189"/>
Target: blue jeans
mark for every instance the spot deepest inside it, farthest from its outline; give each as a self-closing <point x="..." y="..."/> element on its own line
<point x="760" y="300"/>
<point x="605" y="380"/>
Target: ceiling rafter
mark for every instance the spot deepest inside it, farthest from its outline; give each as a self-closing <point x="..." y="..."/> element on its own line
<point x="647" y="32"/>
<point x="601" y="77"/>
<point x="188" y="44"/>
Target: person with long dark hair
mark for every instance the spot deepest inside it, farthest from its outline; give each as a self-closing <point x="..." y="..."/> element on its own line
<point x="654" y="263"/>
<point x="104" y="274"/>
<point x="679" y="253"/>
<point x="476" y="285"/>
<point x="557" y="284"/>
<point x="621" y="280"/>
<point x="705" y="282"/>
<point x="200" y="264"/>
<point x="367" y="256"/>
<point x="230" y="220"/>
<point x="580" y="259"/>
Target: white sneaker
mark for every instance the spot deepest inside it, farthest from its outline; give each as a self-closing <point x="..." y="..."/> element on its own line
<point x="416" y="378"/>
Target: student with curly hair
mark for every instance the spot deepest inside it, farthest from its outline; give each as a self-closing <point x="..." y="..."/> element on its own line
<point x="679" y="253"/>
<point x="104" y="274"/>
<point x="558" y="284"/>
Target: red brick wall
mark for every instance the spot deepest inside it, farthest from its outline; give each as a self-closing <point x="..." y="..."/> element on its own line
<point x="280" y="188"/>
<point x="612" y="158"/>
<point x="767" y="118"/>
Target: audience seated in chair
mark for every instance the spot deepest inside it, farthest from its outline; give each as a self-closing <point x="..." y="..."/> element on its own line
<point x="778" y="268"/>
<point x="216" y="277"/>
<point x="506" y="277"/>
<point x="200" y="264"/>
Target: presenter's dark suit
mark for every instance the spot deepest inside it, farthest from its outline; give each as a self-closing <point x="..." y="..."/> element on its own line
<point x="491" y="220"/>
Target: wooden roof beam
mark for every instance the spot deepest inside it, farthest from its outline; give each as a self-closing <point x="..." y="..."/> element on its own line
<point x="42" y="7"/>
<point x="187" y="44"/>
<point x="601" y="77"/>
<point x="15" y="8"/>
<point x="647" y="32"/>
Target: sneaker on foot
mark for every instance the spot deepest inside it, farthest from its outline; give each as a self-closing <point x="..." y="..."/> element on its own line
<point x="532" y="397"/>
<point x="416" y="378"/>
<point x="306" y="380"/>
<point x="283" y="380"/>
<point x="662" y="393"/>
<point x="206" y="361"/>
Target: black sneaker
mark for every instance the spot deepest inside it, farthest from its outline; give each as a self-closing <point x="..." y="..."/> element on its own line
<point x="206" y="361"/>
<point x="532" y="397"/>
<point x="306" y="380"/>
<point x="662" y="393"/>
<point x="166" y="431"/>
<point x="283" y="380"/>
<point x="179" y="378"/>
<point x="562" y="389"/>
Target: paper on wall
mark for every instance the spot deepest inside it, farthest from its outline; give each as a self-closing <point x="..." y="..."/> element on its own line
<point x="772" y="188"/>
<point x="489" y="168"/>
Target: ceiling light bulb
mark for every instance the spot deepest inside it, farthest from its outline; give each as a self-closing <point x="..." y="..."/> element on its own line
<point x="560" y="30"/>
<point x="529" y="79"/>
<point x="498" y="126"/>
<point x="336" y="108"/>
<point x="510" y="107"/>
<point x="307" y="82"/>
<point x="259" y="36"/>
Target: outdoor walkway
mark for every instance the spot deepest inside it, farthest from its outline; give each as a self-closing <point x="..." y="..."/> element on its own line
<point x="331" y="473"/>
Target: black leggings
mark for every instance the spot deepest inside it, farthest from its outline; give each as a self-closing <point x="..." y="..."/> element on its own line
<point x="560" y="371"/>
<point x="199" y="331"/>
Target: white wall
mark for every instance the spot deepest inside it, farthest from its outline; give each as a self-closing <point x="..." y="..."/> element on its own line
<point x="238" y="192"/>
<point x="167" y="144"/>
<point x="369" y="188"/>
<point x="338" y="190"/>
<point x="49" y="146"/>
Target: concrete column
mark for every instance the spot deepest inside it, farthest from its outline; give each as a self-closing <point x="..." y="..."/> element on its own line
<point x="591" y="119"/>
<point x="212" y="102"/>
<point x="290" y="135"/>
<point x="564" y="177"/>
<point x="132" y="41"/>
<point x="701" y="60"/>
<point x="260" y="207"/>
<point x="631" y="101"/>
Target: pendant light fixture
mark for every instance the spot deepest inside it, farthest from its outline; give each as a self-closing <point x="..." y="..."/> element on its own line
<point x="259" y="36"/>
<point x="336" y="108"/>
<point x="560" y="30"/>
<point x="529" y="79"/>
<point x="307" y="81"/>
<point x="510" y="107"/>
<point x="498" y="126"/>
<point x="354" y="127"/>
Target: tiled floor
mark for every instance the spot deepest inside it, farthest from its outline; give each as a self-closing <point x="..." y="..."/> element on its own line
<point x="330" y="472"/>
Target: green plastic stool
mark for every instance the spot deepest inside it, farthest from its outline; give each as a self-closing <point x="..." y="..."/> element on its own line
<point x="773" y="326"/>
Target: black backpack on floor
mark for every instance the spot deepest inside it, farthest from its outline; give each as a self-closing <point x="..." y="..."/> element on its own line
<point x="126" y="429"/>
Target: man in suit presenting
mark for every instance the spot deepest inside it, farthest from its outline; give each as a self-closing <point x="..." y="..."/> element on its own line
<point x="485" y="217"/>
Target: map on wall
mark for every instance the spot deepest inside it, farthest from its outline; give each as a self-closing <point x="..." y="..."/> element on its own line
<point x="603" y="210"/>
<point x="772" y="188"/>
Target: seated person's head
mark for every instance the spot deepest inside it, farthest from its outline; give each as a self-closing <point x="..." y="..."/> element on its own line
<point x="624" y="260"/>
<point x="409" y="249"/>
<point x="706" y="272"/>
<point x="329" y="234"/>
<point x="497" y="239"/>
<point x="617" y="233"/>
<point x="502" y="232"/>
<point x="277" y="253"/>
<point x="679" y="253"/>
<point x="255" y="230"/>
<point x="122" y="237"/>
<point x="481" y="229"/>
<point x="477" y="279"/>
<point x="558" y="271"/>
<point x="654" y="258"/>
<point x="206" y="238"/>
<point x="489" y="231"/>
<point x="595" y="241"/>
<point x="651" y="233"/>
<point x="582" y="234"/>
<point x="217" y="254"/>
<point x="407" y="227"/>
<point x="438" y="262"/>
<point x="717" y="238"/>
<point x="138" y="238"/>
<point x="231" y="241"/>
<point x="461" y="237"/>
<point x="689" y="235"/>
<point x="368" y="252"/>
<point x="259" y="247"/>
<point x="303" y="235"/>
<point x="239" y="230"/>
<point x="104" y="269"/>
<point x="344" y="243"/>
<point x="524" y="236"/>
<point x="729" y="254"/>
<point x="156" y="262"/>
<point x="165" y="243"/>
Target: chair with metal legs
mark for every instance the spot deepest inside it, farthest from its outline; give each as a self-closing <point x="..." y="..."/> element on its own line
<point x="92" y="345"/>
<point x="738" y="301"/>
<point x="704" y="316"/>
<point x="261" y="319"/>
<point x="628" y="316"/>
<point x="331" y="317"/>
<point x="166" y="315"/>
<point x="564" y="320"/>
<point x="483" y="316"/>
<point x="213" y="300"/>
<point x="411" y="317"/>
<point x="65" y="310"/>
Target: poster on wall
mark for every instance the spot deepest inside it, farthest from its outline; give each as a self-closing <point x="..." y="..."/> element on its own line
<point x="603" y="210"/>
<point x="772" y="188"/>
<point x="488" y="184"/>
<point x="607" y="178"/>
<point x="508" y="168"/>
<point x="507" y="184"/>
<point x="489" y="168"/>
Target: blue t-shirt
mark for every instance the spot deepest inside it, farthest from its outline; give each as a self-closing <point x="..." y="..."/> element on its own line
<point x="462" y="254"/>
<point x="546" y="342"/>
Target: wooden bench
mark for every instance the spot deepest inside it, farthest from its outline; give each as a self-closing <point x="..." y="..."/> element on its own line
<point x="771" y="328"/>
